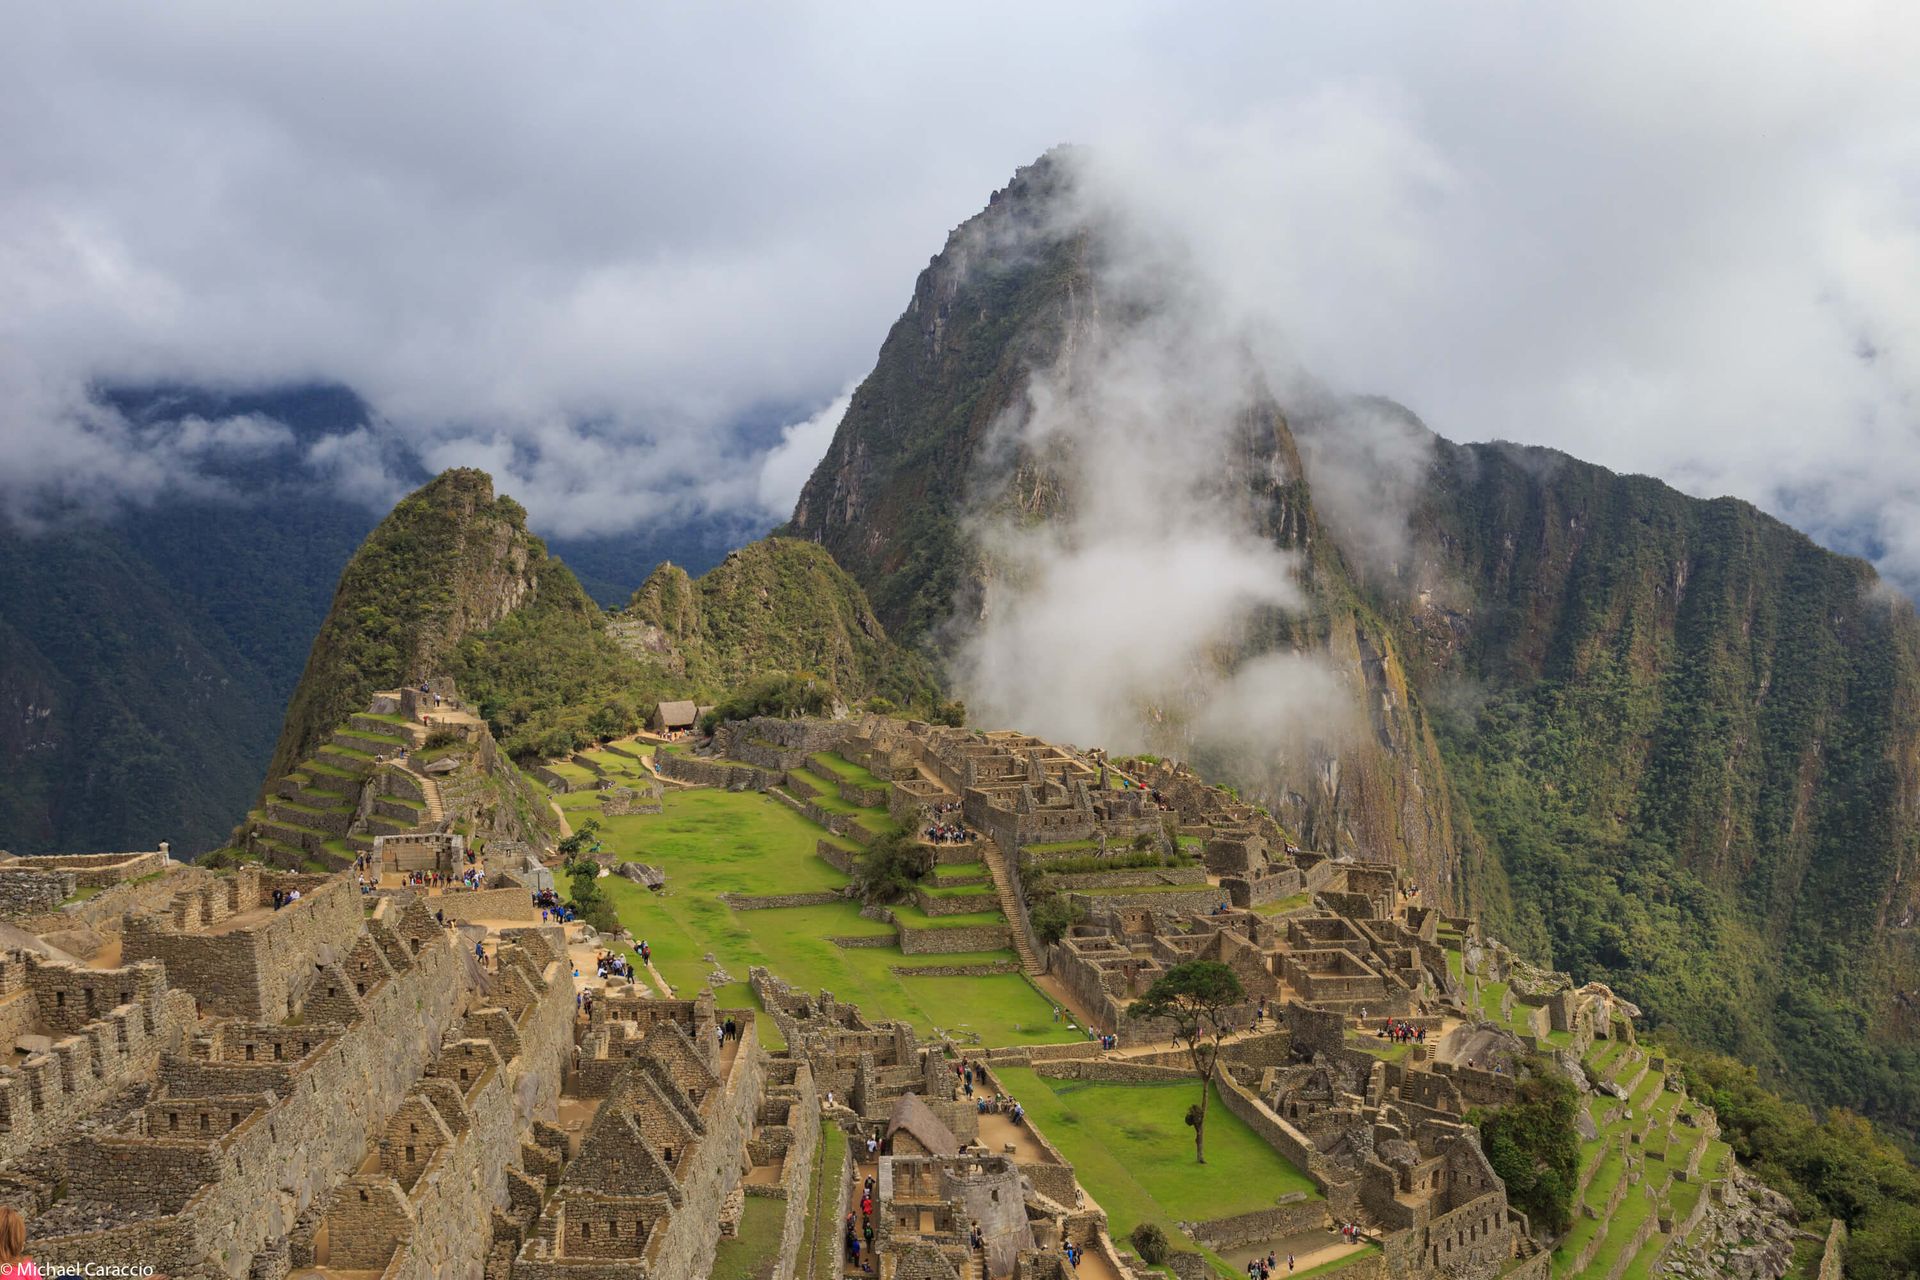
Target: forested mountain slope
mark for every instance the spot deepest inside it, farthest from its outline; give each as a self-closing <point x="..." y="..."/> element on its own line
<point x="1664" y="742"/>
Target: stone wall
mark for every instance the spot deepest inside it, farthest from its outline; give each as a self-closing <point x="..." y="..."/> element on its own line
<point x="960" y="938"/>
<point x="765" y="901"/>
<point x="727" y="775"/>
<point x="1303" y="1214"/>
<point x="488" y="904"/>
<point x="438" y="1232"/>
<point x="52" y="1090"/>
<point x="26" y="892"/>
<point x="282" y="1159"/>
<point x="1833" y="1258"/>
<point x="247" y="971"/>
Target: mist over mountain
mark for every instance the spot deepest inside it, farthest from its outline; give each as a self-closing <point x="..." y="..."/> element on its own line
<point x="148" y="651"/>
<point x="1662" y="742"/>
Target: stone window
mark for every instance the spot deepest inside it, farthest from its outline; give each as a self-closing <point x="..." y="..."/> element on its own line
<point x="233" y="1120"/>
<point x="586" y="1231"/>
<point x="173" y="1121"/>
<point x="279" y="1051"/>
<point x="203" y="1122"/>
<point x="59" y="999"/>
<point x="249" y="1049"/>
<point x="409" y="1155"/>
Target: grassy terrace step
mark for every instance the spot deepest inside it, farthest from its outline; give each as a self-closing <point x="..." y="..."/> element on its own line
<point x="1645" y="1094"/>
<point x="908" y="916"/>
<point x="322" y="771"/>
<point x="1642" y="1265"/>
<point x="347" y="760"/>
<point x="827" y="764"/>
<point x="375" y="735"/>
<point x="961" y="871"/>
<point x="281" y="802"/>
<point x="339" y="846"/>
<point x="1635" y="1207"/>
<point x="934" y="890"/>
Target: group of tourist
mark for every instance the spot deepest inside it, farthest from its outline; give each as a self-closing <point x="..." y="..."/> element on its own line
<point x="1109" y="1041"/>
<point x="1402" y="1032"/>
<point x="552" y="910"/>
<point x="285" y="898"/>
<point x="611" y="964"/>
<point x="725" y="1031"/>
<point x="963" y="1071"/>
<point x="859" y="1241"/>
<point x="1000" y="1104"/>
<point x="1267" y="1267"/>
<point x="948" y="833"/>
<point x="1350" y="1232"/>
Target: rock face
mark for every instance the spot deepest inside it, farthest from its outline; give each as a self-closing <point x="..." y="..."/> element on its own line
<point x="450" y="560"/>
<point x="1668" y="743"/>
<point x="1746" y="1233"/>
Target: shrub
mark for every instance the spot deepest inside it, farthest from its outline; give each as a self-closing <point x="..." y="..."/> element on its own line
<point x="1534" y="1146"/>
<point x="791" y="693"/>
<point x="887" y="869"/>
<point x="441" y="738"/>
<point x="1053" y="915"/>
<point x="1150" y="1242"/>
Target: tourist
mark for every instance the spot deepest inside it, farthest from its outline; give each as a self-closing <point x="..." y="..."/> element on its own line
<point x="1289" y="1264"/>
<point x="13" y="1246"/>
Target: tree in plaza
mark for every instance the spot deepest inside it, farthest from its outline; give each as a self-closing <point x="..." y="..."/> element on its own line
<point x="1197" y="996"/>
<point x="580" y="840"/>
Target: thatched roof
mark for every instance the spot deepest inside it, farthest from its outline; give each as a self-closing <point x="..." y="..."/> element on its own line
<point x="911" y="1113"/>
<point x="676" y="715"/>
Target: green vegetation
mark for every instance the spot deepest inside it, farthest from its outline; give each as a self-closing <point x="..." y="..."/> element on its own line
<point x="888" y="869"/>
<point x="750" y="1255"/>
<point x="1198" y="997"/>
<point x="777" y="693"/>
<point x="550" y="679"/>
<point x="779" y="605"/>
<point x="1837" y="1166"/>
<point x="1127" y="1151"/>
<point x="405" y="598"/>
<point x="713" y="842"/>
<point x="820" y="1250"/>
<point x="1053" y="915"/>
<point x="1535" y="1148"/>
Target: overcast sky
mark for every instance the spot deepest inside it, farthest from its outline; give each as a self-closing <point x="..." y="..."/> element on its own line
<point x="577" y="244"/>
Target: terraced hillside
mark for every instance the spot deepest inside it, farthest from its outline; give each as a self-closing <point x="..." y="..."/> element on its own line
<point x="761" y="878"/>
<point x="1643" y="1179"/>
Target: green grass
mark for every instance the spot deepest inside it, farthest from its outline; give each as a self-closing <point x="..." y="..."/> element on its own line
<point x="750" y="1255"/>
<point x="1060" y="846"/>
<point x="1280" y="906"/>
<point x="962" y="871"/>
<point x="908" y="916"/>
<point x="572" y="772"/>
<point x="1385" y="1050"/>
<point x="384" y="717"/>
<point x="822" y="1242"/>
<point x="1134" y="1154"/>
<point x="846" y="770"/>
<point x="1457" y="966"/>
<point x="934" y="889"/>
<point x="83" y="893"/>
<point x="711" y="842"/>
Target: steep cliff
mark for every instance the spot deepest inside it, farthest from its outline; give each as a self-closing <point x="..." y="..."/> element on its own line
<point x="449" y="561"/>
<point x="1660" y="741"/>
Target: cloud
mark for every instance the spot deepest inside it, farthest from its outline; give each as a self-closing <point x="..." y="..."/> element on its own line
<point x="784" y="470"/>
<point x="589" y="246"/>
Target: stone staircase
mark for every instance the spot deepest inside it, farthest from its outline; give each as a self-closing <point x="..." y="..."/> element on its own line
<point x="1011" y="905"/>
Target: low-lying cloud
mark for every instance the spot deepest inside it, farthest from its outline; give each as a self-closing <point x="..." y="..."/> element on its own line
<point x="587" y="248"/>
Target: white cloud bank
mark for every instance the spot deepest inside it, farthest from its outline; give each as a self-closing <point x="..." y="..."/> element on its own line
<point x="581" y="246"/>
